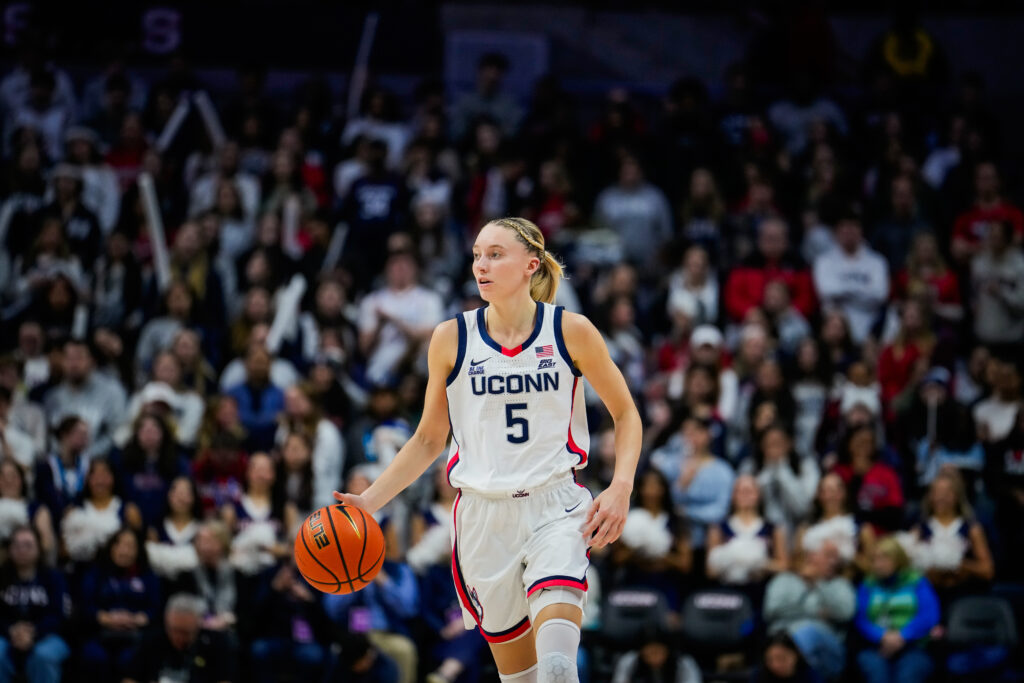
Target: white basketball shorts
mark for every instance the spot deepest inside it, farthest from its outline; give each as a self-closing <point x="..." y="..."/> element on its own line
<point x="510" y="549"/>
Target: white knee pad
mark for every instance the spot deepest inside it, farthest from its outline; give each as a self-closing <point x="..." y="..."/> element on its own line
<point x="557" y="643"/>
<point x="555" y="596"/>
<point x="524" y="676"/>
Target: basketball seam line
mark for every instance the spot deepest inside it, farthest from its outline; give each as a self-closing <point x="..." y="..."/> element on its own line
<point x="337" y="544"/>
<point x="362" y="553"/>
<point x="317" y="560"/>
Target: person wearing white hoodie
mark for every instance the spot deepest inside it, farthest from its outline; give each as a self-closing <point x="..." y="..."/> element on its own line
<point x="852" y="277"/>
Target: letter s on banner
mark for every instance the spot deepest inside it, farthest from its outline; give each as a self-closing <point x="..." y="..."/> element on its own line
<point x="161" y="30"/>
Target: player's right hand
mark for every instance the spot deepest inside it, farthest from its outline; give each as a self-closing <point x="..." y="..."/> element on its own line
<point x="353" y="499"/>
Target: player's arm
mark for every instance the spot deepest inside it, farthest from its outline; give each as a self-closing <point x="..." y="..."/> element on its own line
<point x="588" y="351"/>
<point x="431" y="435"/>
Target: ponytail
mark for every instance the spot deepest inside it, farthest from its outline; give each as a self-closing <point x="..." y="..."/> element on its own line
<point x="545" y="280"/>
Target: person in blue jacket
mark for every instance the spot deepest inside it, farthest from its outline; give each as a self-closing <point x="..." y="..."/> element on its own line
<point x="34" y="608"/>
<point x="380" y="611"/>
<point x="120" y="598"/>
<point x="896" y="611"/>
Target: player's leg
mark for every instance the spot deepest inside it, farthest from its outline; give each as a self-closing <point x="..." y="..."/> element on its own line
<point x="555" y="580"/>
<point x="556" y="628"/>
<point x="517" y="659"/>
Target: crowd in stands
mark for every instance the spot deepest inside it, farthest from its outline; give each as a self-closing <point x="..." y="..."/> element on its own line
<point x="817" y="301"/>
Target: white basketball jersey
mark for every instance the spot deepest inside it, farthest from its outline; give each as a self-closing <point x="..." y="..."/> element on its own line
<point x="517" y="415"/>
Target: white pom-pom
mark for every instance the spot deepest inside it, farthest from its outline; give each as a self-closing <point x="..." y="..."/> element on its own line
<point x="169" y="560"/>
<point x="13" y="513"/>
<point x="84" y="533"/>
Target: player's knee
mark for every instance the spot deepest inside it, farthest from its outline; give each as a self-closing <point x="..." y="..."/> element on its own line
<point x="557" y="643"/>
<point x="556" y="667"/>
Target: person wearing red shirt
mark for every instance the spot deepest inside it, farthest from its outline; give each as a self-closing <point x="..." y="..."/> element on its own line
<point x="745" y="287"/>
<point x="989" y="207"/>
<point x="874" y="486"/>
<point x="913" y="345"/>
<point x="926" y="275"/>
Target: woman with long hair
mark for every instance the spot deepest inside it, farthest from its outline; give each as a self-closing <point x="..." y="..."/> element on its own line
<point x="512" y="369"/>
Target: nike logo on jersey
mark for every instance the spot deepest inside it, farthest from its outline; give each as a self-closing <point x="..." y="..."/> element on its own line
<point x="474" y="363"/>
<point x="574" y="506"/>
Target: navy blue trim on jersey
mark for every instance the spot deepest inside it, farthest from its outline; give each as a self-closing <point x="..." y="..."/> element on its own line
<point x="560" y="342"/>
<point x="481" y="324"/>
<point x="461" y="355"/>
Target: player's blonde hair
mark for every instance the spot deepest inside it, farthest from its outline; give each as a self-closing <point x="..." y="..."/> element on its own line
<point x="544" y="284"/>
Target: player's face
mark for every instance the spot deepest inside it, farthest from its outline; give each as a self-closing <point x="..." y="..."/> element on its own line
<point x="501" y="264"/>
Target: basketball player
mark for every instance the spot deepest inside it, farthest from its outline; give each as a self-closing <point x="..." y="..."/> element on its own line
<point x="506" y="377"/>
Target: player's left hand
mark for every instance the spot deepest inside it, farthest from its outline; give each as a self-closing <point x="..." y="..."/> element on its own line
<point x="607" y="516"/>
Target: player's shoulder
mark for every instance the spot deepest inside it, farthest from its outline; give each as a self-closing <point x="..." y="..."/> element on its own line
<point x="577" y="327"/>
<point x="446" y="331"/>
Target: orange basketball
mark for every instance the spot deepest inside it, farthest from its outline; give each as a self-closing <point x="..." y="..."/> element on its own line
<point x="339" y="549"/>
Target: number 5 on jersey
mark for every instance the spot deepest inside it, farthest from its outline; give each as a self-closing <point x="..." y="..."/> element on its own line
<point x="516" y="424"/>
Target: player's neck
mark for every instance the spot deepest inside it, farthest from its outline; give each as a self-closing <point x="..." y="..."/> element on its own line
<point x="512" y="319"/>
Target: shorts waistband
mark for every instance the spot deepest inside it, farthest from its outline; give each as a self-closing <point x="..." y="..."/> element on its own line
<point x="554" y="483"/>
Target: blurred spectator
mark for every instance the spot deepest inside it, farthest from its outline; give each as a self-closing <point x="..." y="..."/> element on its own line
<point x="17" y="508"/>
<point x="39" y="106"/>
<point x="379" y="119"/>
<point x="701" y="483"/>
<point x="788" y="481"/>
<point x="290" y="628"/>
<point x="259" y="401"/>
<point x="34" y="610"/>
<point x="120" y="599"/>
<point x="97" y="515"/>
<point x="997" y="271"/>
<point x="61" y="476"/>
<point x="654" y="549"/>
<point x="832" y="529"/>
<point x="374" y="209"/>
<point x="793" y="116"/>
<point x="702" y="216"/>
<point x="101" y="193"/>
<point x="182" y="650"/>
<point x="949" y="545"/>
<point x="745" y="549"/>
<point x="302" y="416"/>
<point x="96" y="400"/>
<point x="994" y="416"/>
<point x="783" y="661"/>
<point x="657" y="659"/>
<point x="396" y="320"/>
<point x="901" y="224"/>
<point x="157" y="335"/>
<point x="809" y="384"/>
<point x="813" y="605"/>
<point x="637" y="211"/>
<point x="852" y="278"/>
<point x="927" y="278"/>
<point x="896" y="610"/>
<point x="380" y="611"/>
<point x="942" y="430"/>
<point x="14" y="443"/>
<point x="971" y="229"/>
<point x="147" y="466"/>
<point x="217" y="584"/>
<point x="169" y="541"/>
<point x="488" y="99"/>
<point x="874" y="486"/>
<point x="693" y="289"/>
<point x="745" y="287"/>
<point x="207" y="189"/>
